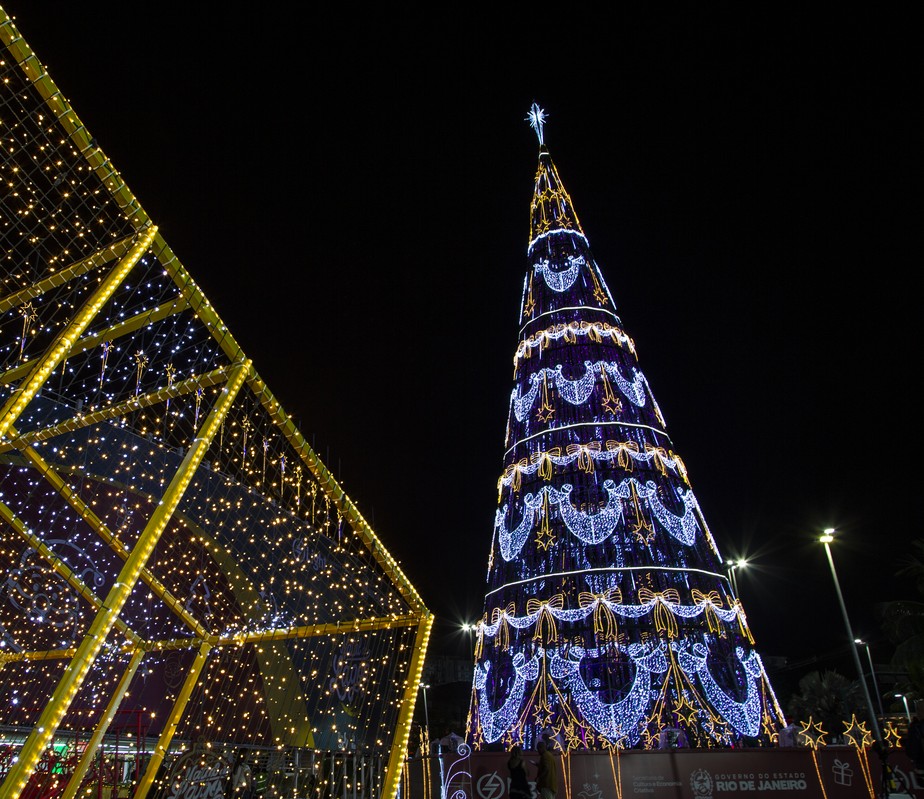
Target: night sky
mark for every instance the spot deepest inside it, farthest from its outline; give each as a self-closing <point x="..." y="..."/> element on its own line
<point x="352" y="193"/>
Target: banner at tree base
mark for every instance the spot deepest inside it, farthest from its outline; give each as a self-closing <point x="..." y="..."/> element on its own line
<point x="830" y="772"/>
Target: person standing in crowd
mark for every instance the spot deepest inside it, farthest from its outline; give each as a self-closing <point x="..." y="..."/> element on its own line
<point x="519" y="785"/>
<point x="547" y="775"/>
<point x="240" y="777"/>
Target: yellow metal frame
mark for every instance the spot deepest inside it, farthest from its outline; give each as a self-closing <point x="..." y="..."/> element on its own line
<point x="73" y="784"/>
<point x="69" y="342"/>
<point x="176" y="713"/>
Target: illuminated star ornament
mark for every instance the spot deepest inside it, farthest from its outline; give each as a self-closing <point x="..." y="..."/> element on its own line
<point x="892" y="735"/>
<point x="536" y="118"/>
<point x="857" y="733"/>
<point x="813" y="733"/>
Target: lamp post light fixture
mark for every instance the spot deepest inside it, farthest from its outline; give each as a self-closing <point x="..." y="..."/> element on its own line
<point x="872" y="674"/>
<point x="424" y="686"/>
<point x="733" y="566"/>
<point x="826" y="539"/>
<point x="470" y="629"/>
<point x="907" y="709"/>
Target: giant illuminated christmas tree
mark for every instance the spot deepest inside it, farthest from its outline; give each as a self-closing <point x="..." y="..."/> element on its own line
<point x="608" y="616"/>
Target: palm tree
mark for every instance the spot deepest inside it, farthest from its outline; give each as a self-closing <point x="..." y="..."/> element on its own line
<point x="828" y="697"/>
<point x="903" y="622"/>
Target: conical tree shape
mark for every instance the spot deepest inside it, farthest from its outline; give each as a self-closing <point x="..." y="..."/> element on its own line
<point x="608" y="616"/>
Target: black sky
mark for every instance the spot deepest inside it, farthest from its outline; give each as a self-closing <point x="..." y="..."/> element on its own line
<point x="351" y="189"/>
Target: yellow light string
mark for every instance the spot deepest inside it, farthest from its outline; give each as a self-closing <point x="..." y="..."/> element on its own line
<point x="863" y="759"/>
<point x="616" y="770"/>
<point x="821" y="783"/>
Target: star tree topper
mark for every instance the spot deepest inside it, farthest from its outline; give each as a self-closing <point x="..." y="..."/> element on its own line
<point x="536" y="118"/>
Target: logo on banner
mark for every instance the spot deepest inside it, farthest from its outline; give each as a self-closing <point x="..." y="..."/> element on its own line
<point x="704" y="783"/>
<point x="701" y="783"/>
<point x="490" y="786"/>
<point x="591" y="791"/>
<point x="198" y="775"/>
<point x="843" y="774"/>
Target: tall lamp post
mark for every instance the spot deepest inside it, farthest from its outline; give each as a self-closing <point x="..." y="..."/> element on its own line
<point x="826" y="539"/>
<point x="470" y="629"/>
<point x="423" y="687"/>
<point x="907" y="709"/>
<point x="733" y="566"/>
<point x="872" y="674"/>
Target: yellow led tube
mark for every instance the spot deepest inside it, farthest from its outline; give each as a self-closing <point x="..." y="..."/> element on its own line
<point x="405" y="715"/>
<point x="66" y="339"/>
<point x="176" y="713"/>
<point x="77" y="670"/>
<point x="86" y="759"/>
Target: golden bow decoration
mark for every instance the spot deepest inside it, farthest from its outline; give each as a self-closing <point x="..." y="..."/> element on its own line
<point x="499" y="617"/>
<point x="658" y="454"/>
<point x="513" y="473"/>
<point x="544" y="459"/>
<point x="479" y="637"/>
<point x="681" y="467"/>
<point x="545" y="621"/>
<point x="709" y="603"/>
<point x="543" y="338"/>
<point x="604" y="618"/>
<point x="665" y="621"/>
<point x="623" y="450"/>
<point x="585" y="459"/>
<point x="591" y="330"/>
<point x="743" y="621"/>
<point x="523" y="351"/>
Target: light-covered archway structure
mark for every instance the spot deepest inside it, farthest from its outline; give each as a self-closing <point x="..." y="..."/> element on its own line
<point x="170" y="545"/>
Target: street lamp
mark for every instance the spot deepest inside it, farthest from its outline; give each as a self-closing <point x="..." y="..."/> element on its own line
<point x="907" y="709"/>
<point x="424" y="687"/>
<point x="826" y="539"/>
<point x="872" y="674"/>
<point x="471" y="630"/>
<point x="733" y="565"/>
